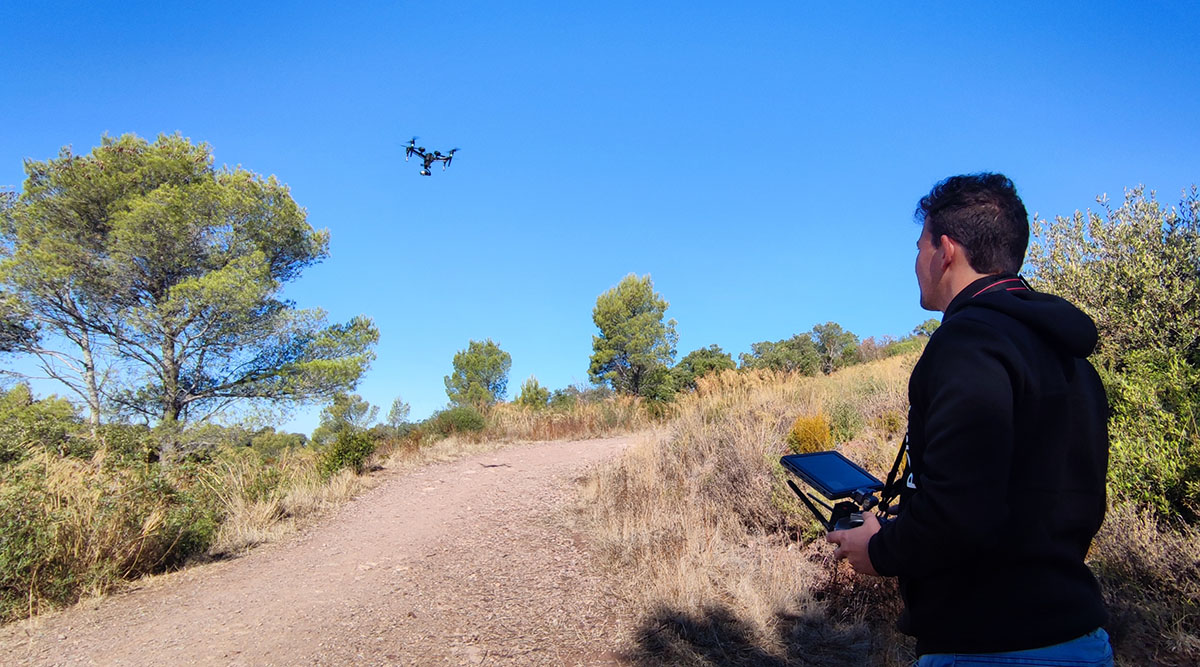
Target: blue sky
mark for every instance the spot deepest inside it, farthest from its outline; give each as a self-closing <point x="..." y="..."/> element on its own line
<point x="761" y="162"/>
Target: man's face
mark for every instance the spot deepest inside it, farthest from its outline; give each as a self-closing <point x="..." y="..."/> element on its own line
<point x="926" y="270"/>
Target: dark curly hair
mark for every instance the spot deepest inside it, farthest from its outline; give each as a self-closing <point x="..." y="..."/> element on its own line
<point x="983" y="213"/>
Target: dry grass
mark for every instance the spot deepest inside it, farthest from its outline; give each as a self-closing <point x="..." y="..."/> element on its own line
<point x="262" y="503"/>
<point x="404" y="456"/>
<point x="75" y="528"/>
<point x="619" y="414"/>
<point x="725" y="564"/>
<point x="1150" y="575"/>
<point x="699" y="521"/>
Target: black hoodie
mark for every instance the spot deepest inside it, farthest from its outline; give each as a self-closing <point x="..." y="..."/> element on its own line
<point x="1004" y="484"/>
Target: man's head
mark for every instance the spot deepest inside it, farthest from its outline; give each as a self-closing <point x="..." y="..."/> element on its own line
<point x="984" y="214"/>
<point x="972" y="226"/>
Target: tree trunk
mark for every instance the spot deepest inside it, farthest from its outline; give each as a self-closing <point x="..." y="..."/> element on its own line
<point x="171" y="408"/>
<point x="93" y="390"/>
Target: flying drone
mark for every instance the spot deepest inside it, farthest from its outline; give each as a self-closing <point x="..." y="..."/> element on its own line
<point x="427" y="158"/>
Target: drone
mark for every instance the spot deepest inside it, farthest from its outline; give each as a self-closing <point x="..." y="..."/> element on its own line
<point x="428" y="158"/>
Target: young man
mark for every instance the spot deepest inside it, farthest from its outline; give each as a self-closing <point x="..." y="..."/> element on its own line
<point x="1007" y="451"/>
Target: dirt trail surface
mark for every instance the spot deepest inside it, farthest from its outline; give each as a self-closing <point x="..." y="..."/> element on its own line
<point x="472" y="562"/>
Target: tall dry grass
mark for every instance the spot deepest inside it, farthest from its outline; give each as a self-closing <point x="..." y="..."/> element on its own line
<point x="728" y="568"/>
<point x="72" y="528"/>
<point x="261" y="501"/>
<point x="1150" y="575"/>
<point x="583" y="419"/>
<point x="715" y="547"/>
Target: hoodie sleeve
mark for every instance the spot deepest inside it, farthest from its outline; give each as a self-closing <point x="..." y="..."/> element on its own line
<point x="958" y="509"/>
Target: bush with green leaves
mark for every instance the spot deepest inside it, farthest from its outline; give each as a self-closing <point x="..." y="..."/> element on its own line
<point x="658" y="386"/>
<point x="699" y="363"/>
<point x="69" y="527"/>
<point x="927" y="327"/>
<point x="1135" y="270"/>
<point x="461" y="419"/>
<point x="533" y="395"/>
<point x="905" y="346"/>
<point x="563" y="399"/>
<point x="349" y="449"/>
<point x="347" y="412"/>
<point x="569" y="397"/>
<point x="50" y="423"/>
<point x="270" y="443"/>
<point x="797" y="354"/>
<point x="129" y="442"/>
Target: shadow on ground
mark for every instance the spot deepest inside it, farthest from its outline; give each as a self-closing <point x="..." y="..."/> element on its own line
<point x="848" y="621"/>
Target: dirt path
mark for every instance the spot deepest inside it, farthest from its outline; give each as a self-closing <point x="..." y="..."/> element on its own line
<point x="472" y="562"/>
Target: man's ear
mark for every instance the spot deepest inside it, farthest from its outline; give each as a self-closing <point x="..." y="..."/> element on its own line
<point x="951" y="251"/>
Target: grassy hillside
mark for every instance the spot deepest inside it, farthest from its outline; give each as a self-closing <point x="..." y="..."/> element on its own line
<point x="730" y="569"/>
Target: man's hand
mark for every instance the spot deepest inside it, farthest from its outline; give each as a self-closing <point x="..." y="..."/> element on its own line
<point x="852" y="544"/>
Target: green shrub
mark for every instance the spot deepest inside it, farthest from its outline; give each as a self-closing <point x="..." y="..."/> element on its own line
<point x="891" y="423"/>
<point x="129" y="442"/>
<point x="390" y="433"/>
<point x="563" y="399"/>
<point x="905" y="346"/>
<point x="699" y="363"/>
<point x="69" y="528"/>
<point x="462" y="419"/>
<point x="846" y="419"/>
<point x="49" y="423"/>
<point x="1133" y="269"/>
<point x="349" y="449"/>
<point x="345" y="412"/>
<point x="533" y="395"/>
<point x="270" y="444"/>
<point x="1154" y="443"/>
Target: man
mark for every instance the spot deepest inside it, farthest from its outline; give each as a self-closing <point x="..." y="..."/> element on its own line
<point x="1007" y="451"/>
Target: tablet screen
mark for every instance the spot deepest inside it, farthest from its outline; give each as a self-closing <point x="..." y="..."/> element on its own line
<point x="832" y="474"/>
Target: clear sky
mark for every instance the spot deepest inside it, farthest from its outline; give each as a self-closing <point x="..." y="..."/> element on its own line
<point x="761" y="161"/>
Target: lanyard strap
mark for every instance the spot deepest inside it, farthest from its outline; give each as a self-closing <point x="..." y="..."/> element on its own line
<point x="889" y="490"/>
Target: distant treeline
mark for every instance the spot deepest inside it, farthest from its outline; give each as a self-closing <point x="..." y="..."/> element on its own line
<point x="634" y="354"/>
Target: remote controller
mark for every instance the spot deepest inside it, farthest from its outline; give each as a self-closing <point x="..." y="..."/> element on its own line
<point x="854" y="520"/>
